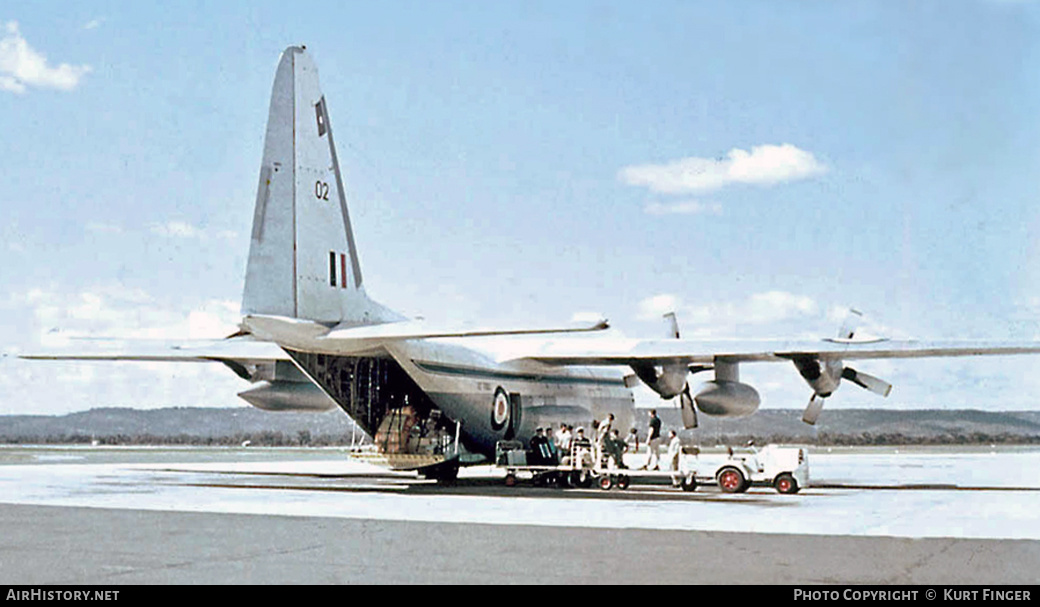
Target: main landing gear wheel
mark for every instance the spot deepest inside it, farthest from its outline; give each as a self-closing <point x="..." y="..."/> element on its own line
<point x="785" y="483"/>
<point x="731" y="480"/>
<point x="445" y="473"/>
<point x="688" y="483"/>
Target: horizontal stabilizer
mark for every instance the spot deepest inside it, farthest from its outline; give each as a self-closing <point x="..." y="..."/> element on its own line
<point x="245" y="350"/>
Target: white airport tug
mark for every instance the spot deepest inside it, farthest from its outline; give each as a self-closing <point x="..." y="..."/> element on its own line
<point x="784" y="468"/>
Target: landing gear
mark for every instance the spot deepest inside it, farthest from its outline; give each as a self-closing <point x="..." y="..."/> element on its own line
<point x="688" y="483"/>
<point x="445" y="473"/>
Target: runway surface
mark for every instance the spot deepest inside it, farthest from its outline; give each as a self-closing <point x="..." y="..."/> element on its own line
<point x="123" y="515"/>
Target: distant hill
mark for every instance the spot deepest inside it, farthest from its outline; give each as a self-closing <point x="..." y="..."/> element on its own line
<point x="193" y="425"/>
<point x="181" y="425"/>
<point x="867" y="426"/>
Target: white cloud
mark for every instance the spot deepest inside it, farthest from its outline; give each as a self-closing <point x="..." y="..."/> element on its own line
<point x="586" y="317"/>
<point x="177" y="229"/>
<point x="93" y="24"/>
<point x="120" y="312"/>
<point x="185" y="230"/>
<point x="760" y="308"/>
<point x="103" y="228"/>
<point x="53" y="317"/>
<point x="771" y="313"/>
<point x="10" y="84"/>
<point x="655" y="307"/>
<point x="21" y="66"/>
<point x="683" y="207"/>
<point x="763" y="165"/>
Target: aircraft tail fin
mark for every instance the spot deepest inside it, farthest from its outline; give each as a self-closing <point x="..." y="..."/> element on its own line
<point x="303" y="261"/>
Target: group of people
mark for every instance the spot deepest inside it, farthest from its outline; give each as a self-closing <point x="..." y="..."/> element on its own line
<point x="548" y="448"/>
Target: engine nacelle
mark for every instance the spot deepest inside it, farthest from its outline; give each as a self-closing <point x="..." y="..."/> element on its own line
<point x="668" y="380"/>
<point x="296" y="396"/>
<point x="822" y="376"/>
<point x="721" y="398"/>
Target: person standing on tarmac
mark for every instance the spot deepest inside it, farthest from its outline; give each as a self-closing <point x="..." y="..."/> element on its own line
<point x="549" y="448"/>
<point x="674" y="453"/>
<point x="537" y="444"/>
<point x="603" y="437"/>
<point x="563" y="440"/>
<point x="581" y="446"/>
<point x="653" y="442"/>
<point x="632" y="441"/>
<point x="616" y="449"/>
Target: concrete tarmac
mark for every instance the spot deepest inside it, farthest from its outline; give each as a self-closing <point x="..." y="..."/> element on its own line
<point x="77" y="546"/>
<point x="281" y="518"/>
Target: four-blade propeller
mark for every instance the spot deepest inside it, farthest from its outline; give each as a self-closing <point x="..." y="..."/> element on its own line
<point x="825" y="376"/>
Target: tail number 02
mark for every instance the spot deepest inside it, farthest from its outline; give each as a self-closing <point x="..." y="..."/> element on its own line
<point x="321" y="190"/>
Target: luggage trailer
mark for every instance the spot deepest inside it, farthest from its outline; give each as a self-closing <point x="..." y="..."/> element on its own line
<point x="578" y="468"/>
<point x="784" y="468"/>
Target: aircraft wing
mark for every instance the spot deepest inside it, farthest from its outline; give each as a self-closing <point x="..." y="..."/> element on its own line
<point x="685" y="351"/>
<point x="318" y="337"/>
<point x="243" y="350"/>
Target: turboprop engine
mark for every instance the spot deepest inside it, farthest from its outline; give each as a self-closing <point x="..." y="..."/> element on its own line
<point x="288" y="396"/>
<point x="280" y="386"/>
<point x="825" y="375"/>
<point x="725" y="396"/>
<point x="668" y="381"/>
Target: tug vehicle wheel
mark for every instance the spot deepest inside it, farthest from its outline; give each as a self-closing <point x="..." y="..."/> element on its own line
<point x="786" y="483"/>
<point x="731" y="480"/>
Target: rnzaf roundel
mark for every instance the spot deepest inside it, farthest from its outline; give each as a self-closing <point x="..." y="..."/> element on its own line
<point x="500" y="409"/>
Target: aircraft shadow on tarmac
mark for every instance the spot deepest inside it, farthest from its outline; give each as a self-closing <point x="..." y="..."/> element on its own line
<point x="408" y="484"/>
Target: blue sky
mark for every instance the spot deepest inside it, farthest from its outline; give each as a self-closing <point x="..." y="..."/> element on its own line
<point x="525" y="162"/>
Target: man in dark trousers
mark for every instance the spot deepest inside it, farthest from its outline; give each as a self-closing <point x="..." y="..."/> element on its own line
<point x="653" y="442"/>
<point x="536" y="455"/>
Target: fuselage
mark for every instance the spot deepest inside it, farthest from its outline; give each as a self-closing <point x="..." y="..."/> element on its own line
<point x="415" y="389"/>
<point x="463" y="382"/>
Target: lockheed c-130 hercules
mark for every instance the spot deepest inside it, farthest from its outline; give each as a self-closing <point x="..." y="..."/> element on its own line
<point x="436" y="397"/>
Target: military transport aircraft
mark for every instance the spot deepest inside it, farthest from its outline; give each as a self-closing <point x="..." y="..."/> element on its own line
<point x="434" y="397"/>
